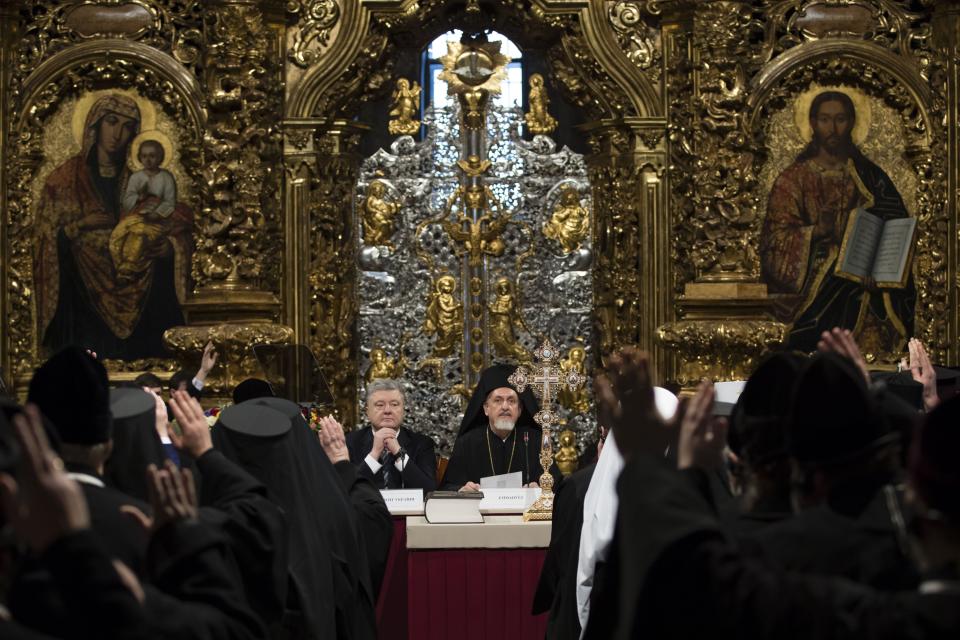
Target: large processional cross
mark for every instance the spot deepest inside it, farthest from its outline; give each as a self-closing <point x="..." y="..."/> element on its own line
<point x="544" y="378"/>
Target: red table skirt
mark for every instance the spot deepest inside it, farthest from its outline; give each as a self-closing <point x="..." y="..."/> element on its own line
<point x="473" y="594"/>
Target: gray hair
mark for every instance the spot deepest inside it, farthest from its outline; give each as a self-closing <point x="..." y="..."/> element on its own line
<point x="385" y="384"/>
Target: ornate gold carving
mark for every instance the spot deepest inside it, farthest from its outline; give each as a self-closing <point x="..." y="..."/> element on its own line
<point x="504" y="322"/>
<point x="366" y="76"/>
<point x="406" y="104"/>
<point x="317" y="20"/>
<point x="234" y="344"/>
<point x="567" y="458"/>
<point x="483" y="236"/>
<point x="332" y="278"/>
<point x="239" y="221"/>
<point x="379" y="215"/>
<point x="569" y="223"/>
<point x="382" y="366"/>
<point x="719" y="349"/>
<point x="538" y="119"/>
<point x="636" y="39"/>
<point x="575" y="401"/>
<point x="170" y="26"/>
<point x="725" y="217"/>
<point x="886" y="23"/>
<point x="444" y="316"/>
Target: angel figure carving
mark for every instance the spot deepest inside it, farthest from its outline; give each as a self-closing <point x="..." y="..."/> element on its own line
<point x="406" y="105"/>
<point x="539" y="120"/>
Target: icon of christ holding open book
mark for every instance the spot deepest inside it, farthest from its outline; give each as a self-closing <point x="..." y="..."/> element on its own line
<point x="838" y="236"/>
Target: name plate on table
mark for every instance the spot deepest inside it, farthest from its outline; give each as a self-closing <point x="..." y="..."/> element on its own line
<point x="403" y="502"/>
<point x="508" y="500"/>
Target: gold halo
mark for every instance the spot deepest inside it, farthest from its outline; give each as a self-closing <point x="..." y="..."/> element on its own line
<point x="148" y="115"/>
<point x="156" y="136"/>
<point x="801" y="112"/>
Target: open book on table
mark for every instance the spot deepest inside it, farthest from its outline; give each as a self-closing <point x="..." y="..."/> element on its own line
<point x="878" y="249"/>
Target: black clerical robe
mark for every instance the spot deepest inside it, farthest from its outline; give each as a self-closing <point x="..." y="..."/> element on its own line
<point x="373" y="518"/>
<point x="479" y="453"/>
<point x="851" y="536"/>
<point x="681" y="577"/>
<point x="557" y="588"/>
<point x="123" y="537"/>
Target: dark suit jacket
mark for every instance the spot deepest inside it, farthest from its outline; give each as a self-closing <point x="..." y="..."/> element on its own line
<point x="420" y="470"/>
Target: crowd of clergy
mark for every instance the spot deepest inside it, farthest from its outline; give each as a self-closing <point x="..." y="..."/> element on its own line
<point x="822" y="500"/>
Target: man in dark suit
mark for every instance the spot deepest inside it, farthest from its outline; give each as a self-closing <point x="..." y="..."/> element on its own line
<point x="392" y="456"/>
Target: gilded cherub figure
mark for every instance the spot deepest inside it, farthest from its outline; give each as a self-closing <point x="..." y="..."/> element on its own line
<point x="382" y="366"/>
<point x="505" y="321"/>
<point x="406" y="105"/>
<point x="567" y="457"/>
<point x="444" y="316"/>
<point x="570" y="222"/>
<point x="378" y="215"/>
<point x="539" y="121"/>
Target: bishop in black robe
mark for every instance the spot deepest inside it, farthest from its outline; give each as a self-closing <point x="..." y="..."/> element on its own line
<point x="480" y="451"/>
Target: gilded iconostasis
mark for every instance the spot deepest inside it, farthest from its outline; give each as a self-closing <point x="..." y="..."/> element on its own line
<point x="420" y="189"/>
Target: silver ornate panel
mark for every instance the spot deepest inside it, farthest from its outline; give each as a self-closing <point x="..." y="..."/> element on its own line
<point x="552" y="285"/>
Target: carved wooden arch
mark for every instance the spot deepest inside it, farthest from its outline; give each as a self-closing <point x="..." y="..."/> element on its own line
<point x="166" y="66"/>
<point x="865" y="52"/>
<point x="356" y="41"/>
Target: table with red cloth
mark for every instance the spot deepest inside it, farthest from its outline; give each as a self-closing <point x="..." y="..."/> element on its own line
<point x="470" y="581"/>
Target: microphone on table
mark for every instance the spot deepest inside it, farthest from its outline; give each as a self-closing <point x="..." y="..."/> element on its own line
<point x="526" y="457"/>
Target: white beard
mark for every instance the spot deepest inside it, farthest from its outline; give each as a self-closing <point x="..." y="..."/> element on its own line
<point x="504" y="424"/>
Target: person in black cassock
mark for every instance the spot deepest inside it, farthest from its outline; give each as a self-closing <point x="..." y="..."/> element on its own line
<point x="70" y="389"/>
<point x="329" y="595"/>
<point x="497" y="435"/>
<point x="757" y="438"/>
<point x="391" y="455"/>
<point x="681" y="576"/>
<point x="845" y="459"/>
<point x="372" y="517"/>
<point x="136" y="442"/>
<point x="557" y="588"/>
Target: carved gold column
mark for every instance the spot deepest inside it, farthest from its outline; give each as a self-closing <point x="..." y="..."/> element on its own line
<point x="726" y="320"/>
<point x="9" y="30"/>
<point x="236" y="262"/>
<point x="946" y="31"/>
<point x="632" y="281"/>
<point x="332" y="261"/>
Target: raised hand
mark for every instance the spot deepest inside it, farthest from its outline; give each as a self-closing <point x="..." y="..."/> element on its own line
<point x="332" y="439"/>
<point x="195" y="438"/>
<point x="207" y="362"/>
<point x="172" y="493"/>
<point x="923" y="372"/>
<point x="626" y="405"/>
<point x="840" y="341"/>
<point x="47" y="504"/>
<point x="702" y="437"/>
